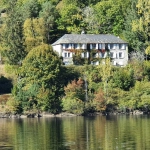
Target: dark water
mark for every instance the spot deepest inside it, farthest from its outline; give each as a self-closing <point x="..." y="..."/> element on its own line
<point x="76" y="133"/>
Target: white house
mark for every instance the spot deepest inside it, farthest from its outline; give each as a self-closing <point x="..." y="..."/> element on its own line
<point x="104" y="45"/>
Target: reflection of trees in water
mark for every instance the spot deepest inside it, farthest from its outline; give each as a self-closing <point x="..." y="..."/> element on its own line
<point x="39" y="133"/>
<point x="76" y="133"/>
<point x="5" y="134"/>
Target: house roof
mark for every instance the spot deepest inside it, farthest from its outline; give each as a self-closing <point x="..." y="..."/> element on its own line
<point x="88" y="38"/>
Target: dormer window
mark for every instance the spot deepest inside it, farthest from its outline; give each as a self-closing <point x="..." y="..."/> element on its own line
<point x="113" y="46"/>
<point x="83" y="46"/>
<point x="93" y="46"/>
<point x="76" y="46"/>
<point x="121" y="46"/>
<point x="65" y="46"/>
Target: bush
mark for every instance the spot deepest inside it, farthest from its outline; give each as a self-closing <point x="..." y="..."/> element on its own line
<point x="14" y="106"/>
<point x="75" y="106"/>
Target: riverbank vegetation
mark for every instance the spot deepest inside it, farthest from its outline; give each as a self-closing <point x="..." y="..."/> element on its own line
<point x="36" y="77"/>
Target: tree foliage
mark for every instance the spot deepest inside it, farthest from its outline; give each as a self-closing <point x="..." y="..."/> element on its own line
<point x="29" y="25"/>
<point x="74" y="97"/>
<point x="34" y="33"/>
<point x="41" y="73"/>
<point x="123" y="78"/>
<point x="12" y="35"/>
<point x="49" y="13"/>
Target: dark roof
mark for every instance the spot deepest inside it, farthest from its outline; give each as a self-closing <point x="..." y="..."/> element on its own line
<point x="88" y="38"/>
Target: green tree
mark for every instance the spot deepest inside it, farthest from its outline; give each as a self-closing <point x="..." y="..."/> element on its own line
<point x="137" y="25"/>
<point x="30" y="9"/>
<point x="123" y="78"/>
<point x="135" y="39"/>
<point x="91" y="22"/>
<point x="12" y="35"/>
<point x="73" y="101"/>
<point x="49" y="15"/>
<point x="70" y="19"/>
<point x="34" y="32"/>
<point x="42" y="68"/>
<point x="142" y="24"/>
<point x="105" y="70"/>
<point x="110" y="16"/>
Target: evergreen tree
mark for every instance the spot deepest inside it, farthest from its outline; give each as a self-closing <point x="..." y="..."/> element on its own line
<point x="134" y="38"/>
<point x="49" y="15"/>
<point x="12" y="35"/>
<point x="30" y="9"/>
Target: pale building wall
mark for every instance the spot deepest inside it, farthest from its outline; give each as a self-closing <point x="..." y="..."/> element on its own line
<point x="58" y="49"/>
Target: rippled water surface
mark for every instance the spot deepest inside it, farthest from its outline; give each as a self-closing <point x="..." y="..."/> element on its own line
<point x="120" y="132"/>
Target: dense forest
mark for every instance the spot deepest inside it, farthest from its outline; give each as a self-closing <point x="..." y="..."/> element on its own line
<point x="40" y="82"/>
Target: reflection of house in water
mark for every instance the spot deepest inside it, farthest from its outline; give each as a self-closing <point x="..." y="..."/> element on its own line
<point x="92" y="46"/>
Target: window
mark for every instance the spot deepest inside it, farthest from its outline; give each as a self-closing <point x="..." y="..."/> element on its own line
<point x="121" y="46"/>
<point x="113" y="55"/>
<point x="113" y="46"/>
<point x="103" y="46"/>
<point x="72" y="46"/>
<point x="85" y="55"/>
<point x="66" y="46"/>
<point x="66" y="55"/>
<point x="83" y="46"/>
<point x="121" y="54"/>
<point x="75" y="46"/>
<point x="92" y="46"/>
<point x="100" y="46"/>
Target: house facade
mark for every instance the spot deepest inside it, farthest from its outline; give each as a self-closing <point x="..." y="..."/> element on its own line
<point x="93" y="47"/>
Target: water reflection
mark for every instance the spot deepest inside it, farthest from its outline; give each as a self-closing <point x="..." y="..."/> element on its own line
<point x="76" y="133"/>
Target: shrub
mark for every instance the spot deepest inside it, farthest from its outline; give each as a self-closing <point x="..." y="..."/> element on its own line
<point x="14" y="106"/>
<point x="75" y="106"/>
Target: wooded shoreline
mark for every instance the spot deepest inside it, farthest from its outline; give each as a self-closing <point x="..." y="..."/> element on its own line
<point x="65" y="114"/>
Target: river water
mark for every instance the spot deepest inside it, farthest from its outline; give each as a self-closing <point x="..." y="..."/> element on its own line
<point x="121" y="132"/>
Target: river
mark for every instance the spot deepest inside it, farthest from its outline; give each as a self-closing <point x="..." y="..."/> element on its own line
<point x="120" y="132"/>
